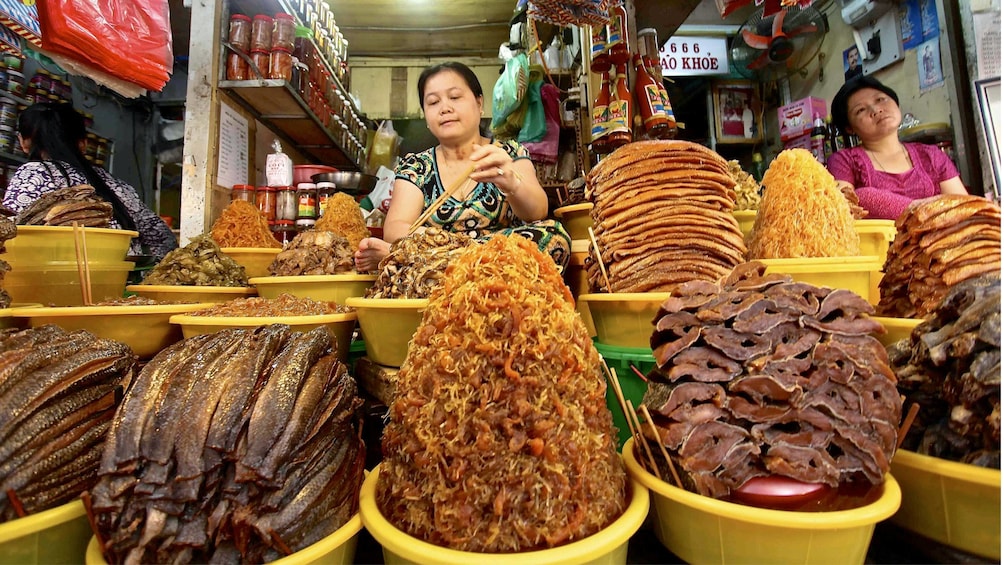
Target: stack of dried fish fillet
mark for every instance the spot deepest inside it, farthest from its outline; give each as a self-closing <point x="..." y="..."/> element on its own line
<point x="8" y="230"/>
<point x="416" y="263"/>
<point x="951" y="367"/>
<point x="242" y="445"/>
<point x="315" y="252"/>
<point x="499" y="439"/>
<point x="940" y="242"/>
<point x="662" y="212"/>
<point x="65" y="206"/>
<point x="761" y="375"/>
<point x="58" y="393"/>
<point x="802" y="213"/>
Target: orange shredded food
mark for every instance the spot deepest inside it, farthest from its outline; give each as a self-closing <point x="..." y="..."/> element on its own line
<point x="343" y="216"/>
<point x="802" y="212"/>
<point x="500" y="439"/>
<point x="242" y="225"/>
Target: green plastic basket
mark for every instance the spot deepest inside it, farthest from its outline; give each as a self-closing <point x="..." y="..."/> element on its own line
<point x="624" y="360"/>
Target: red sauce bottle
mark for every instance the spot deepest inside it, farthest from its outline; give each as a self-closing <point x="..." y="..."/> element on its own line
<point x="646" y="91"/>
<point x="620" y="110"/>
<point x="617" y="35"/>
<point x="600" y="60"/>
<point x="601" y="115"/>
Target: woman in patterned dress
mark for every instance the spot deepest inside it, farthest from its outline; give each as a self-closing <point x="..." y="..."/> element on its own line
<point x="501" y="195"/>
<point x="51" y="135"/>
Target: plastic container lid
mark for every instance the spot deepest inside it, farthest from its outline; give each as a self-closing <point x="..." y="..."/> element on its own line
<point x="325" y="184"/>
<point x="306" y="185"/>
<point x="240" y="17"/>
<point x="281" y="48"/>
<point x="266" y="189"/>
<point x="284" y="16"/>
<point x="263" y="17"/>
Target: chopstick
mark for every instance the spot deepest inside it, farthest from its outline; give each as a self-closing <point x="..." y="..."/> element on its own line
<point x="83" y="269"/>
<point x="439" y="201"/>
<point x="599" y="258"/>
<point x="628" y="410"/>
<point x="665" y="454"/>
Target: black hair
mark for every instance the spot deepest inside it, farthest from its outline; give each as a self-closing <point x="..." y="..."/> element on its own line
<point x="838" y="108"/>
<point x="56" y="130"/>
<point x="461" y="69"/>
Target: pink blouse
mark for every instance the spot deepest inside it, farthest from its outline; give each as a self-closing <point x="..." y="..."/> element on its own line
<point x="886" y="195"/>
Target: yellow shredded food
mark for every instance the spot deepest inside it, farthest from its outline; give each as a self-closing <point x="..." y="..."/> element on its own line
<point x="242" y="225"/>
<point x="499" y="439"/>
<point x="802" y="212"/>
<point x="343" y="216"/>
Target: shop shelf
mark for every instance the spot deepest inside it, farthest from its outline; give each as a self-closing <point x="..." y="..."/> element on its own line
<point x="275" y="103"/>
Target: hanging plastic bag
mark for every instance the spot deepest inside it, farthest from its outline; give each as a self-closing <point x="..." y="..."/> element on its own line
<point x="128" y="39"/>
<point x="510" y="88"/>
<point x="278" y="167"/>
<point x="383" y="150"/>
<point x="534" y="123"/>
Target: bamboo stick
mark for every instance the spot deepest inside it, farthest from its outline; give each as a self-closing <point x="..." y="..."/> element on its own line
<point x="599" y="258"/>
<point x="665" y="454"/>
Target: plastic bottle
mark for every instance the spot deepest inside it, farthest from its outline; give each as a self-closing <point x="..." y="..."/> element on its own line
<point x="759" y="167"/>
<point x="601" y="117"/>
<point x="837" y="138"/>
<point x="617" y="35"/>
<point x="646" y="92"/>
<point x="620" y="110"/>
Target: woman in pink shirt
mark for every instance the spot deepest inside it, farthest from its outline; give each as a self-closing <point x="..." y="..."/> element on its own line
<point x="886" y="173"/>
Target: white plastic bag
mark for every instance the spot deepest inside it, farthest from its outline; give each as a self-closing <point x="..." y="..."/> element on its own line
<point x="380" y="196"/>
<point x="278" y="167"/>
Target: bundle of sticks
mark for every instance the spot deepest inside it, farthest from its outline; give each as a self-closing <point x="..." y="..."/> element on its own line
<point x="662" y="215"/>
<point x="940" y="242"/>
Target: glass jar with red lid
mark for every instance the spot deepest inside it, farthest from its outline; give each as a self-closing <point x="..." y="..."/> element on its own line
<point x="283" y="31"/>
<point x="261" y="33"/>
<point x="280" y="64"/>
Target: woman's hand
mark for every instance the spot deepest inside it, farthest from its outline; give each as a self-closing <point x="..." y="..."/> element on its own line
<point x="371" y="251"/>
<point x="493" y="164"/>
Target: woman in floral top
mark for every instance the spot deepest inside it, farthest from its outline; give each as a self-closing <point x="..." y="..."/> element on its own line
<point x="501" y="195"/>
<point x="51" y="135"/>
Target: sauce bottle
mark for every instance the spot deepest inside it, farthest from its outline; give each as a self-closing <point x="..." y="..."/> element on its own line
<point x="646" y="91"/>
<point x="306" y="201"/>
<point x="620" y="110"/>
<point x="617" y="35"/>
<point x="601" y="117"/>
<point x="599" y="60"/>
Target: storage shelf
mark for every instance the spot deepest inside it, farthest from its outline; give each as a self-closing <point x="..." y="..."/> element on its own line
<point x="278" y="106"/>
<point x="12" y="159"/>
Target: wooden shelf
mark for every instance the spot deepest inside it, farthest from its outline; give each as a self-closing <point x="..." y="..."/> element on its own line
<point x="278" y="106"/>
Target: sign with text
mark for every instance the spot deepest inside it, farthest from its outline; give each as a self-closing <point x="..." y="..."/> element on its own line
<point x="687" y="56"/>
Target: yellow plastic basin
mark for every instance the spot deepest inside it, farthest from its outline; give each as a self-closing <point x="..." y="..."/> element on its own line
<point x="340" y="326"/>
<point x="875" y="235"/>
<point x="701" y="529"/>
<point x="191" y="294"/>
<point x="624" y="319"/>
<point x="953" y="503"/>
<point x="608" y="546"/>
<point x="37" y="245"/>
<point x="576" y="219"/>
<point x="387" y="325"/>
<point x="338" y="548"/>
<point x="860" y="275"/>
<point x="58" y="284"/>
<point x="895" y="329"/>
<point x="255" y="260"/>
<point x="55" y="536"/>
<point x="145" y="329"/>
<point x="746" y="218"/>
<point x="327" y="288"/>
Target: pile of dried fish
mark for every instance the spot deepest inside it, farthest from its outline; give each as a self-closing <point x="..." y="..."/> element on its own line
<point x="200" y="263"/>
<point x="315" y="252"/>
<point x="65" y="206"/>
<point x="8" y="230"/>
<point x="760" y="375"/>
<point x="416" y="263"/>
<point x="242" y="445"/>
<point x="662" y="213"/>
<point x="940" y="242"/>
<point x="951" y="367"/>
<point x="499" y="438"/>
<point x="58" y="393"/>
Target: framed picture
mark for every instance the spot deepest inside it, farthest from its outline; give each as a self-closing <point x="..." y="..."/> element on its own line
<point x="988" y="93"/>
<point x="735" y="108"/>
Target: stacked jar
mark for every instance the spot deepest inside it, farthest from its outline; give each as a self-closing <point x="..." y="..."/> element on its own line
<point x="261" y="43"/>
<point x="239" y="39"/>
<point x="282" y="41"/>
<point x="325" y="190"/>
<point x="306" y="205"/>
<point x="265" y="198"/>
<point x="243" y="192"/>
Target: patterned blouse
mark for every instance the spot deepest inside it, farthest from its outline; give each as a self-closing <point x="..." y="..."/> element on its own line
<point x="35" y="178"/>
<point x="485" y="211"/>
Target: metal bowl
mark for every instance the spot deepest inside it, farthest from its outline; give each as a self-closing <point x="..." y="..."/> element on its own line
<point x="352" y="183"/>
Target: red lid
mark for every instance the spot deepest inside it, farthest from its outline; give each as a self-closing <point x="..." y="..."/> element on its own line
<point x="285" y="188"/>
<point x="266" y="189"/>
<point x="243" y="187"/>
<point x="281" y="48"/>
<point x="284" y="16"/>
<point x="263" y="17"/>
<point x="263" y="51"/>
<point x="240" y="17"/>
<point x="285" y="222"/>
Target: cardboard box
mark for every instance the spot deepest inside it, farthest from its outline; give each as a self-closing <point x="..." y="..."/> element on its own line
<point x="805" y="141"/>
<point x="795" y="119"/>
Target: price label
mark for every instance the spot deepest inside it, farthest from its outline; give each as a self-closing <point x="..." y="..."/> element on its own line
<point x="688" y="56"/>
